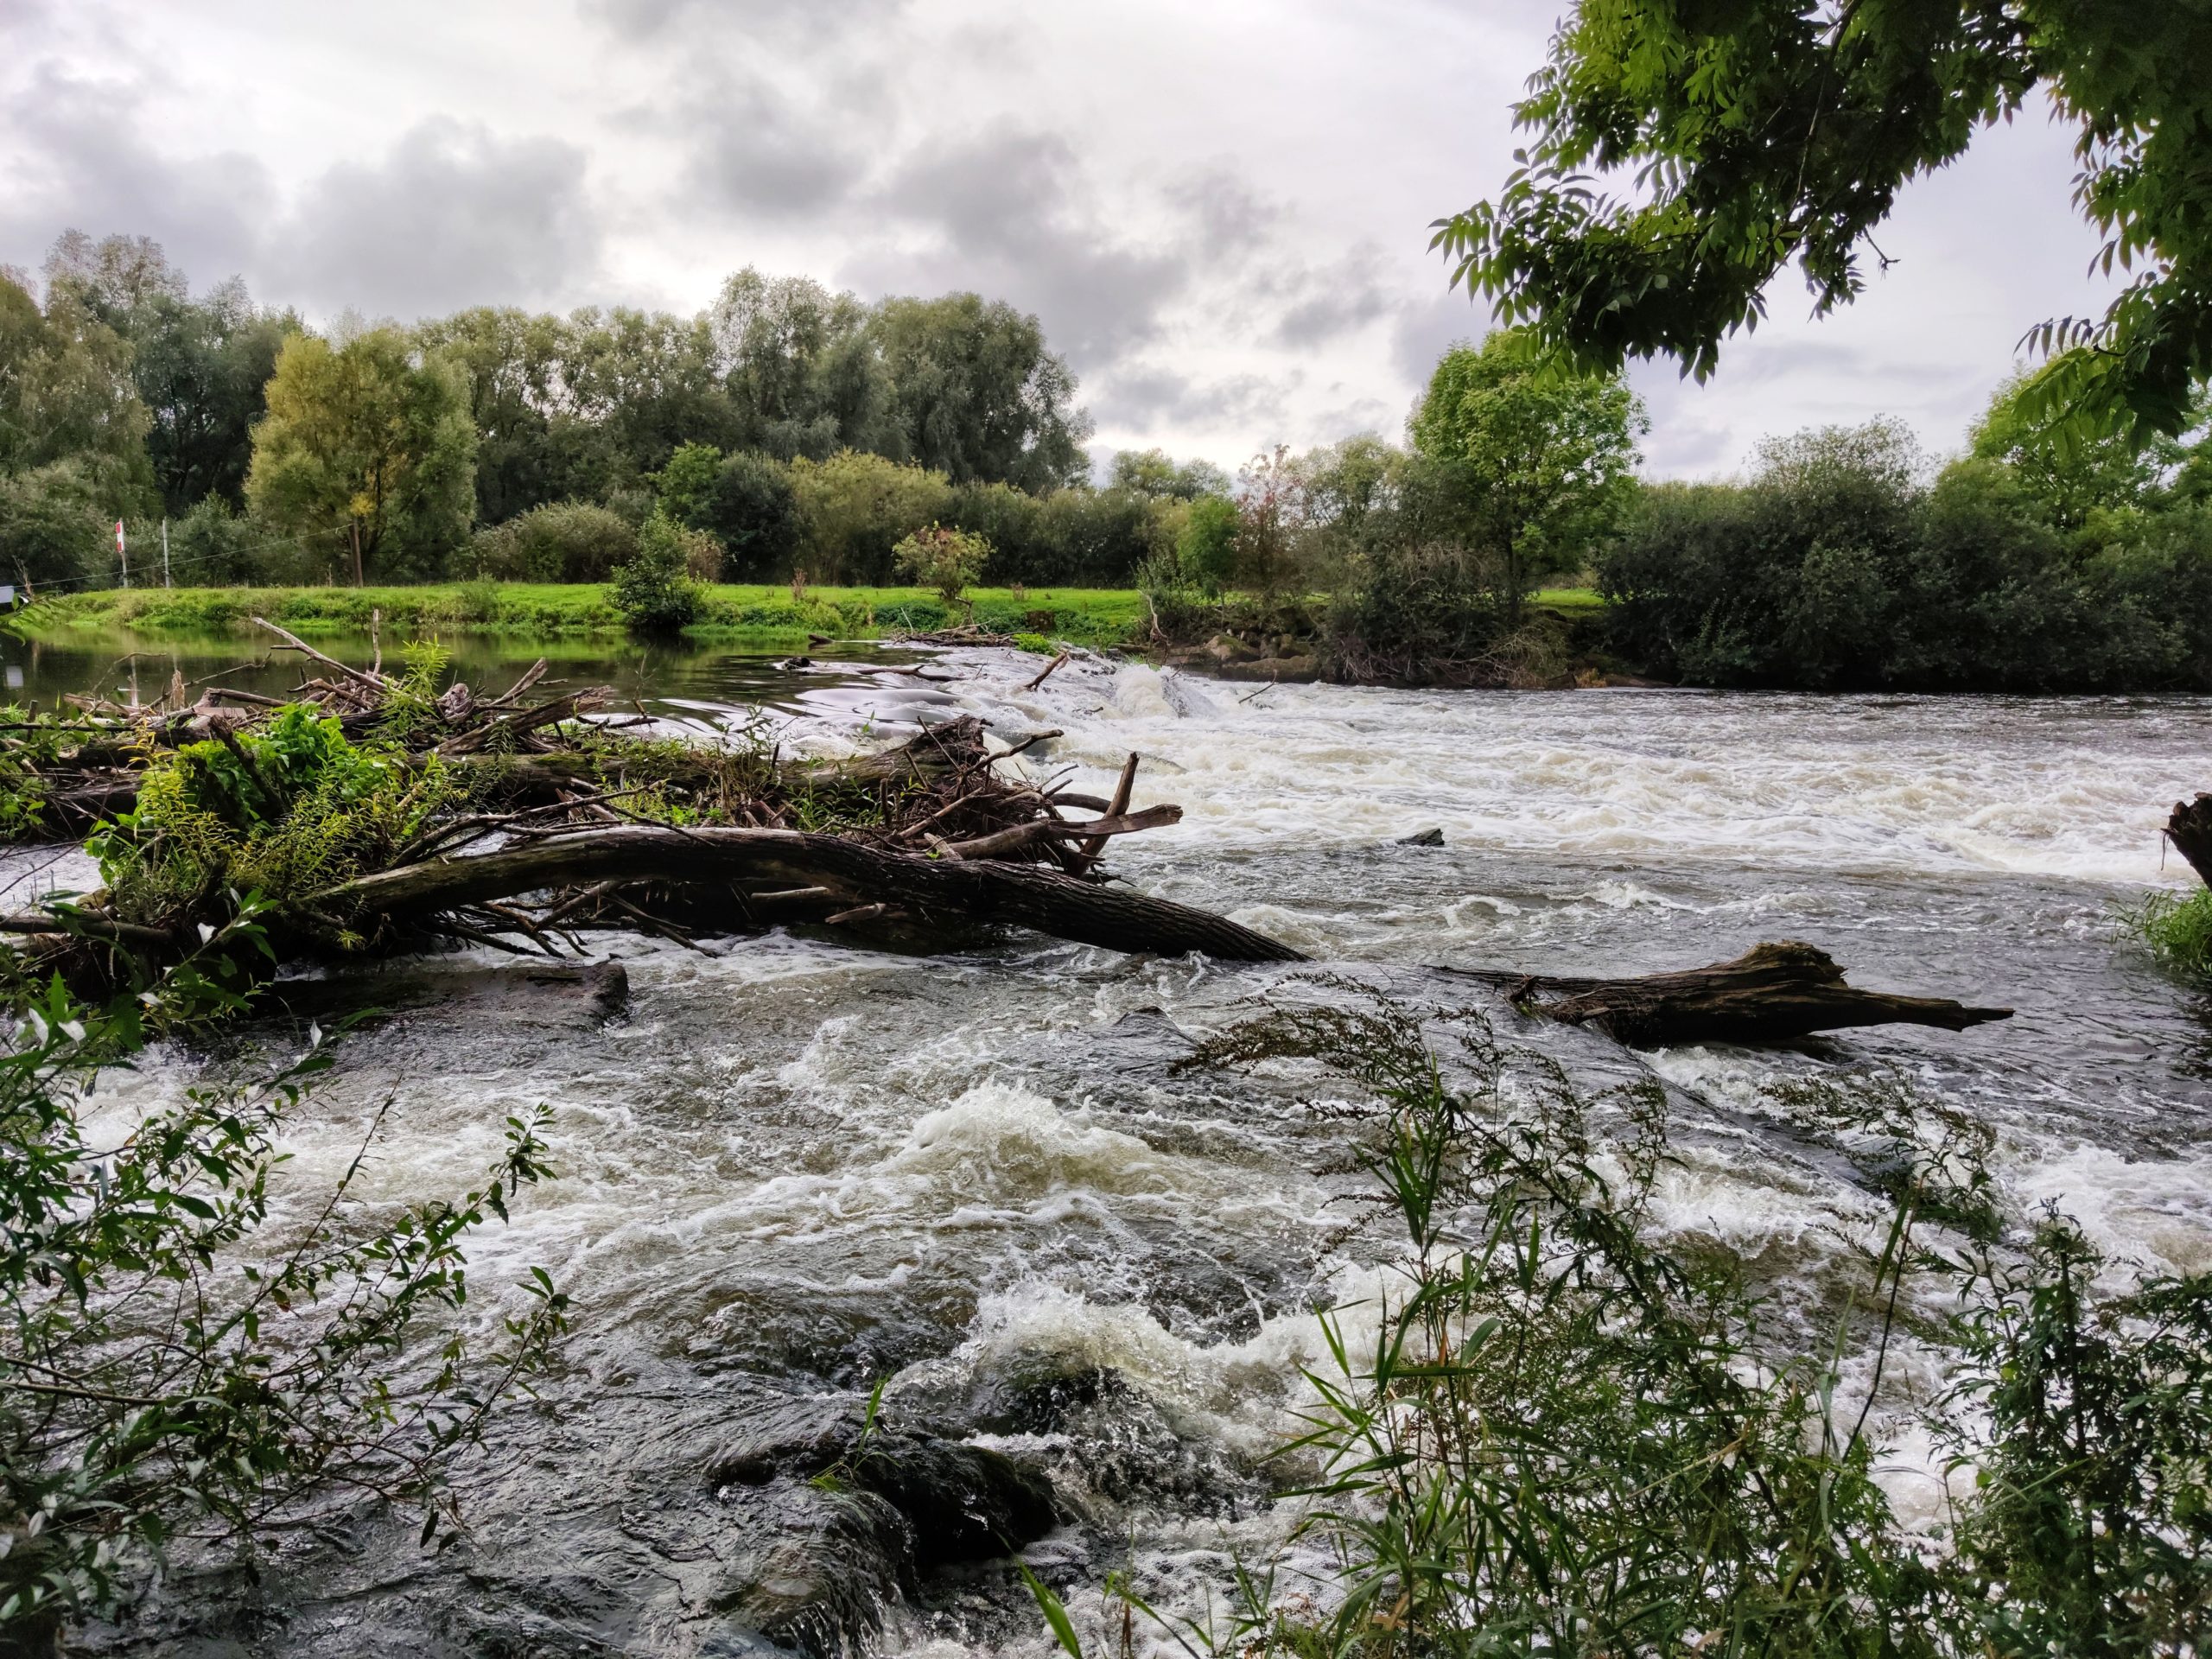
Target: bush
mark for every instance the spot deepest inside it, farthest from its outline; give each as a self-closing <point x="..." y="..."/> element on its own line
<point x="1430" y="614"/>
<point x="856" y="508"/>
<point x="1206" y="550"/>
<point x="1835" y="569"/>
<point x="565" y="541"/>
<point x="53" y="528"/>
<point x="161" y="1365"/>
<point x="947" y="560"/>
<point x="752" y="510"/>
<point x="1568" y="1429"/>
<point x="214" y="546"/>
<point x="655" y="590"/>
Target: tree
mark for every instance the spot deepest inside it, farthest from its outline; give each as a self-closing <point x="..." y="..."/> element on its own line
<point x="978" y="393"/>
<point x="686" y="483"/>
<point x="53" y="527"/>
<point x="535" y="441"/>
<point x="1154" y="472"/>
<point x="66" y="392"/>
<point x="2071" y="472"/>
<point x="753" y="511"/>
<point x="1548" y="453"/>
<point x="198" y="365"/>
<point x="1206" y="551"/>
<point x="1762" y="131"/>
<point x="855" y="507"/>
<point x="649" y="382"/>
<point x="367" y="453"/>
<point x="802" y="376"/>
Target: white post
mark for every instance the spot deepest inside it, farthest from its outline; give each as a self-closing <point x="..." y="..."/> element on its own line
<point x="123" y="552"/>
<point x="165" y="552"/>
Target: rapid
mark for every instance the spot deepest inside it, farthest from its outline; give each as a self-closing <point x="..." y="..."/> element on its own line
<point x="794" y="1168"/>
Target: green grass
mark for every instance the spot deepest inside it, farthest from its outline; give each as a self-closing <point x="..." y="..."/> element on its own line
<point x="1569" y="598"/>
<point x="2177" y="929"/>
<point x="1091" y="616"/>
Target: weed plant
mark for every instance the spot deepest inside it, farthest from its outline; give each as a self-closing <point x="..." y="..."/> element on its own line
<point x="2177" y="930"/>
<point x="1561" y="1435"/>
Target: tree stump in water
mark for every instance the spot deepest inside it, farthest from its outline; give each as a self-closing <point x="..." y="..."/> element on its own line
<point x="2190" y="829"/>
<point x="1773" y="993"/>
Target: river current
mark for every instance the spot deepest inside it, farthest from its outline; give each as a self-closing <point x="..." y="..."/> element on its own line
<point x="795" y="1167"/>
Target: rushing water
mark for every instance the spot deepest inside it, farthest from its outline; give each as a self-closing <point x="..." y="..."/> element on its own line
<point x="797" y="1166"/>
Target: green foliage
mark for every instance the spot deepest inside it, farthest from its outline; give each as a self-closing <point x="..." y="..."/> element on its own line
<point x="803" y="376"/>
<point x="54" y="526"/>
<point x="1835" y="567"/>
<point x="2071" y="474"/>
<point x="857" y="507"/>
<point x="1152" y="471"/>
<point x="198" y="365"/>
<point x="977" y="394"/>
<point x="283" y="812"/>
<point x="947" y="560"/>
<point x="369" y="441"/>
<point x="164" y="1372"/>
<point x="686" y="483"/>
<point x="1418" y="613"/>
<point x="753" y="511"/>
<point x="1559" y="1432"/>
<point x="1772" y="130"/>
<point x="562" y="541"/>
<point x="2177" y="930"/>
<point x="1548" y="453"/>
<point x="655" y="591"/>
<point x="1206" y="551"/>
<point x="2090" y="1529"/>
<point x="214" y="543"/>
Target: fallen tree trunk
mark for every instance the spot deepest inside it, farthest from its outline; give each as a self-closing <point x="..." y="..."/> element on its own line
<point x="2190" y="829"/>
<point x="1773" y="993"/>
<point x="1022" y="895"/>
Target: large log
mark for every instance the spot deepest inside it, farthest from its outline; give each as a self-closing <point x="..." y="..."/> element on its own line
<point x="1773" y="993"/>
<point x="1019" y="895"/>
<point x="2190" y="829"/>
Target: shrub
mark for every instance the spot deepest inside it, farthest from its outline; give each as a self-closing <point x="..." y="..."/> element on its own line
<point x="1564" y="1429"/>
<point x="214" y="546"/>
<point x="856" y="508"/>
<point x="655" y="590"/>
<point x="161" y="1366"/>
<point x="752" y="510"/>
<point x="1422" y="615"/>
<point x="1207" y="548"/>
<point x="53" y="526"/>
<point x="947" y="560"/>
<point x="564" y="541"/>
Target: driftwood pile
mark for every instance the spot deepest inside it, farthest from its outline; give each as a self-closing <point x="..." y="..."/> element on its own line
<point x="572" y="826"/>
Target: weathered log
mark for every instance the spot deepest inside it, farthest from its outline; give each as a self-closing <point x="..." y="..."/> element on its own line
<point x="1773" y="993"/>
<point x="1021" y="895"/>
<point x="2190" y="829"/>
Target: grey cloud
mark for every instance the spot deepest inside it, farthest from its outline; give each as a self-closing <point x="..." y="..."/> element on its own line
<point x="1009" y="213"/>
<point x="1426" y="329"/>
<point x="822" y="20"/>
<point x="1228" y="218"/>
<point x="454" y="216"/>
<point x="1148" y="399"/>
<point x="79" y="157"/>
<point x="754" y="148"/>
<point x="1334" y="300"/>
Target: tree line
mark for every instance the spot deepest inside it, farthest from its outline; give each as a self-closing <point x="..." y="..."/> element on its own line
<point x="378" y="452"/>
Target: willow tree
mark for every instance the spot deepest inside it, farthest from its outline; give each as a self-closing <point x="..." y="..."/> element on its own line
<point x="1752" y="133"/>
<point x="367" y="453"/>
<point x="1544" y="454"/>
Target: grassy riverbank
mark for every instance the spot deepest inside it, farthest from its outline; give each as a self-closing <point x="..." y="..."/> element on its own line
<point x="1087" y="616"/>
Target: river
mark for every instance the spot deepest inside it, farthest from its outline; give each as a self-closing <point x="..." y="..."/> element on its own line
<point x="795" y="1167"/>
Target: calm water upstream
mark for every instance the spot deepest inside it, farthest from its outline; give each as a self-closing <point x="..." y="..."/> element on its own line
<point x="796" y="1167"/>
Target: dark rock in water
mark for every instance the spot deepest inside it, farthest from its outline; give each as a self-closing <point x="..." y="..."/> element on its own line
<point x="963" y="1503"/>
<point x="557" y="994"/>
<point x="606" y="1540"/>
<point x="1422" y="838"/>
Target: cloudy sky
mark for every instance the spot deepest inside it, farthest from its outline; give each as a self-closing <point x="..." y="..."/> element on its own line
<point x="1221" y="213"/>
